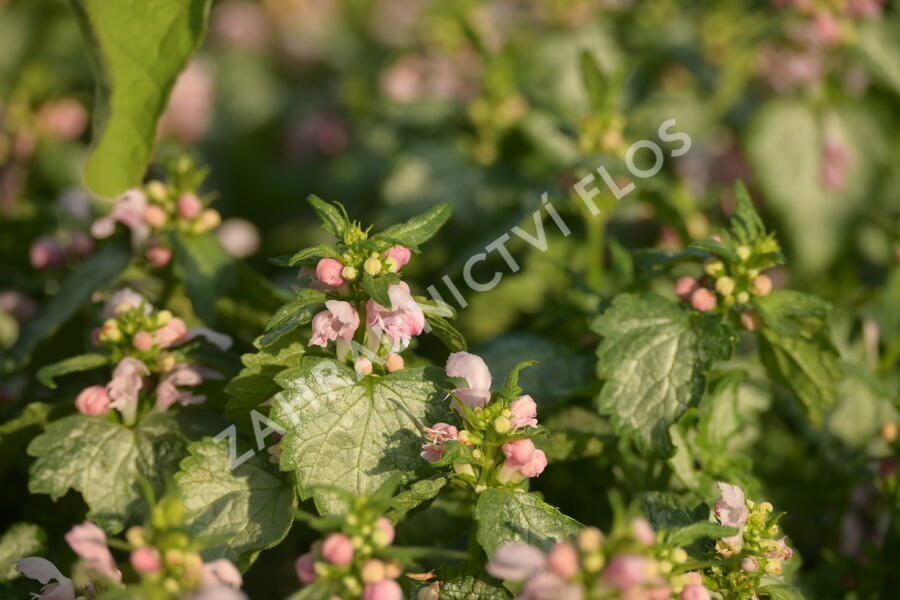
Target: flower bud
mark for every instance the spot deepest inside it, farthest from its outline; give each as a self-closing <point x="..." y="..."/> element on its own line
<point x="749" y="564"/>
<point x="93" y="401"/>
<point x="46" y="253"/>
<point x="685" y="286"/>
<point x="725" y="285"/>
<point x="337" y="549"/>
<point x="773" y="566"/>
<point x="590" y="539"/>
<point x="146" y="560"/>
<point x="156" y="189"/>
<point x="142" y="341"/>
<point x="463" y="469"/>
<point x="306" y="568"/>
<point x="209" y="220"/>
<point x="158" y="256"/>
<point x="387" y="589"/>
<point x="396" y="257"/>
<point x="703" y="300"/>
<point x="393" y="569"/>
<point x="593" y="562"/>
<point x="372" y="266"/>
<point x="155" y="216"/>
<point x="349" y="273"/>
<point x="889" y="432"/>
<point x="163" y="317"/>
<point x="762" y="285"/>
<point x="766" y="507"/>
<point x="363" y="366"/>
<point x="695" y="591"/>
<point x="393" y="362"/>
<point x="643" y="532"/>
<point x="679" y="555"/>
<point x="188" y="206"/>
<point x="110" y="331"/>
<point x="743" y="252"/>
<point x="714" y="268"/>
<point x="384" y="532"/>
<point x="328" y="271"/>
<point x="742" y="298"/>
<point x="373" y="571"/>
<point x="563" y="560"/>
<point x="136" y="536"/>
<point x="502" y="424"/>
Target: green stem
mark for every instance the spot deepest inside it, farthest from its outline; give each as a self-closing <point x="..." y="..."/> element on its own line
<point x="596" y="233"/>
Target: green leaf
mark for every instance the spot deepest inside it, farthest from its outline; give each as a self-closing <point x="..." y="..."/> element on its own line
<point x="783" y="311"/>
<point x="96" y="271"/>
<point x="103" y="460"/>
<point x="137" y="48"/>
<point x="653" y="359"/>
<point x="879" y="45"/>
<point x="594" y="81"/>
<point x="82" y="362"/>
<point x="323" y="589"/>
<point x="352" y="433"/>
<point x="292" y="315"/>
<point x="318" y="251"/>
<point x="419" y="229"/>
<point x="333" y="220"/>
<point x="503" y="516"/>
<point x="687" y="535"/>
<point x="575" y="433"/>
<point x="19" y="541"/>
<point x="468" y="587"/>
<point x="245" y="510"/>
<point x="250" y="303"/>
<point x="452" y="338"/>
<point x="745" y="222"/>
<point x="781" y="592"/>
<point x="666" y="510"/>
<point x="206" y="269"/>
<point x="417" y="494"/>
<point x="377" y="288"/>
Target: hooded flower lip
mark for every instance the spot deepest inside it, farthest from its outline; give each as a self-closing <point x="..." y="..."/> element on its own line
<point x="731" y="511"/>
<point x="475" y="371"/>
<point x="515" y="561"/>
<point x="398" y="324"/>
<point x="126" y="384"/>
<point x="167" y="392"/>
<point x="221" y="573"/>
<point x="128" y="297"/>
<point x="89" y="542"/>
<point x="338" y="322"/>
<point x="42" y="570"/>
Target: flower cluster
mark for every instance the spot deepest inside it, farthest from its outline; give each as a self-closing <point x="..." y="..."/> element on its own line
<point x="758" y="546"/>
<point x="142" y="342"/>
<point x="629" y="563"/>
<point x="353" y="559"/>
<point x="157" y="207"/>
<point x="166" y="561"/>
<point x="494" y="445"/>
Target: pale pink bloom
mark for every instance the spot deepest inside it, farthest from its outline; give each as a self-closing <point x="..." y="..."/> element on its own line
<point x="703" y="299"/>
<point x="337" y="549"/>
<point x="363" y="366"/>
<point x="142" y="341"/>
<point x="89" y="542"/>
<point x="643" y="532"/>
<point x="784" y="551"/>
<point x="240" y="237"/>
<point x="515" y="561"/>
<point x="328" y="271"/>
<point x="694" y="577"/>
<point x="762" y="285"/>
<point x="404" y="80"/>
<point x="749" y="564"/>
<point x="518" y="452"/>
<point x="523" y="461"/>
<point x="398" y="324"/>
<point x="146" y="560"/>
<point x="173" y="332"/>
<point x="384" y="525"/>
<point x="549" y="586"/>
<point x="103" y="227"/>
<point x="535" y="466"/>
<point x="64" y="119"/>
<point x="473" y="369"/>
<point x="158" y="256"/>
<point x="80" y="244"/>
<point x="42" y="570"/>
<point x="685" y="286"/>
<point x="386" y="589"/>
<point x="563" y="560"/>
<point x="46" y="253"/>
<point x="626" y="571"/>
<point x="731" y="511"/>
<point x="167" y="392"/>
<point x="339" y="321"/>
<point x="220" y="573"/>
<point x="662" y="591"/>
<point x="93" y="401"/>
<point x="865" y="9"/>
<point x="126" y="384"/>
<point x="188" y="206"/>
<point x="240" y="23"/>
<point x="190" y="105"/>
<point x="127" y="297"/>
<point x="219" y="340"/>
<point x="129" y="210"/>
<point x="400" y="255"/>
<point x="695" y="591"/>
<point x="523" y="412"/>
<point x="439" y="433"/>
<point x="306" y="568"/>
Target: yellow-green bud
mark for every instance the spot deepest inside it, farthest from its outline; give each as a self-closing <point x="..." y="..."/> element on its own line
<point x="372" y="266"/>
<point x="665" y="567"/>
<point x="743" y="298"/>
<point x="209" y="219"/>
<point x="349" y="273"/>
<point x="136" y="536"/>
<point x="679" y="555"/>
<point x="773" y="566"/>
<point x="372" y="571"/>
<point x="163" y="317"/>
<point x="392" y="265"/>
<point x="725" y="285"/>
<point x="743" y="252"/>
<point x="110" y="331"/>
<point x="714" y="268"/>
<point x="766" y="506"/>
<point x="156" y="190"/>
<point x="502" y="424"/>
<point x="593" y="562"/>
<point x="590" y="539"/>
<point x="463" y="469"/>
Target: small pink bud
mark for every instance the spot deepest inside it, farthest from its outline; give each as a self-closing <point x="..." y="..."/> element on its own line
<point x="694" y="591"/>
<point x="189" y="206"/>
<point x="751" y="320"/>
<point x="703" y="300"/>
<point x="337" y="549"/>
<point x="660" y="592"/>
<point x="749" y="564"/>
<point x="142" y="341"/>
<point x="643" y="532"/>
<point x="386" y="589"/>
<point x="563" y="560"/>
<point x="694" y="577"/>
<point x="155" y="216"/>
<point x="81" y="244"/>
<point x="159" y="256"/>
<point x="363" y="366"/>
<point x="146" y="560"/>
<point x="328" y="271"/>
<point x="93" y="401"/>
<point x="393" y="362"/>
<point x="306" y="568"/>
<point x="46" y="253"/>
<point x="400" y="255"/>
<point x="387" y="530"/>
<point x="626" y="571"/>
<point x="762" y="285"/>
<point x="523" y="412"/>
<point x="685" y="286"/>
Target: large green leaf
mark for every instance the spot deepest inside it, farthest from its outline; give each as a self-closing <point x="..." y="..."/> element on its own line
<point x="417" y="494"/>
<point x="19" y="541"/>
<point x="780" y="591"/>
<point x="82" y="362"/>
<point x="468" y="587"/>
<point x="653" y="357"/>
<point x="138" y="48"/>
<point x="420" y="228"/>
<point x="352" y="433"/>
<point x="206" y="269"/>
<point x="504" y="516"/>
<point x="244" y="510"/>
<point x="103" y="460"/>
<point x="292" y="315"/>
<point x="879" y="44"/>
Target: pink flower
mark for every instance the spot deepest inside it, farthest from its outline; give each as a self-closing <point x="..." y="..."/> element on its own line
<point x="65" y="118"/>
<point x="393" y="362"/>
<point x="306" y="568"/>
<point x="695" y="591"/>
<point x="731" y="511"/>
<point x="328" y="271"/>
<point x="546" y="586"/>
<point x="784" y="551"/>
<point x="146" y="560"/>
<point x="835" y="161"/>
<point x="167" y="392"/>
<point x="127" y="299"/>
<point x="337" y="549"/>
<point x="129" y="210"/>
<point x="749" y="564"/>
<point x="762" y="285"/>
<point x="142" y="341"/>
<point x="188" y="206"/>
<point x="363" y="366"/>
<point x="399" y="323"/>
<point x="439" y="433"/>
<point x="535" y="466"/>
<point x="339" y="321"/>
<point x="397" y="256"/>
<point x="643" y="532"/>
<point x="173" y="332"/>
<point x="46" y="253"/>
<point x="155" y="216"/>
<point x="515" y="561"/>
<point x="239" y="236"/>
<point x="662" y="591"/>
<point x="473" y="369"/>
<point x="89" y="542"/>
<point x="386" y="528"/>
<point x="158" y="256"/>
<point x="386" y="589"/>
<point x="523" y="412"/>
<point x="220" y="573"/>
<point x="626" y="571"/>
<point x="523" y="461"/>
<point x="81" y="244"/>
<point x="219" y="340"/>
<point x="93" y="401"/>
<point x="563" y="560"/>
<point x="126" y="384"/>
<point x="703" y="300"/>
<point x="685" y="287"/>
<point x="518" y="452"/>
<point x="42" y="570"/>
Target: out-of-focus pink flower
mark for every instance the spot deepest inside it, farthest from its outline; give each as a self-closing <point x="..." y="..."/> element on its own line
<point x="337" y="549"/>
<point x="626" y="571"/>
<point x="685" y="287"/>
<point x="865" y="9"/>
<point x="762" y="285"/>
<point x="387" y="530"/>
<point x="695" y="591"/>
<point x="220" y="573"/>
<point x="835" y="161"/>
<point x="339" y="321"/>
<point x="173" y="332"/>
<point x="158" y="256"/>
<point x="42" y="570"/>
<point x="660" y="591"/>
<point x="475" y="371"/>
<point x="103" y="227"/>
<point x="703" y="299"/>
<point x="731" y="510"/>
<point x="239" y="23"/>
<point x="400" y="255"/>
<point x="125" y="299"/>
<point x="63" y="119"/>
<point x="89" y="542"/>
<point x="219" y="340"/>
<point x="643" y="532"/>
<point x="155" y="216"/>
<point x="167" y="392"/>
<point x="827" y="28"/>
<point x="398" y="324"/>
<point x="17" y="304"/>
<point x="563" y="560"/>
<point x="439" y="433"/>
<point x="188" y="206"/>
<point x="306" y="568"/>
<point x="190" y="105"/>
<point x="784" y="551"/>
<point x="146" y="560"/>
<point x="515" y="561"/>
<point x="126" y="384"/>
<point x="80" y="244"/>
<point x="386" y="589"/>
<point x="46" y="253"/>
<point x="129" y="210"/>
<point x="328" y="271"/>
<point x="240" y="237"/>
<point x="523" y="412"/>
<point x="785" y="69"/>
<point x="93" y="401"/>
